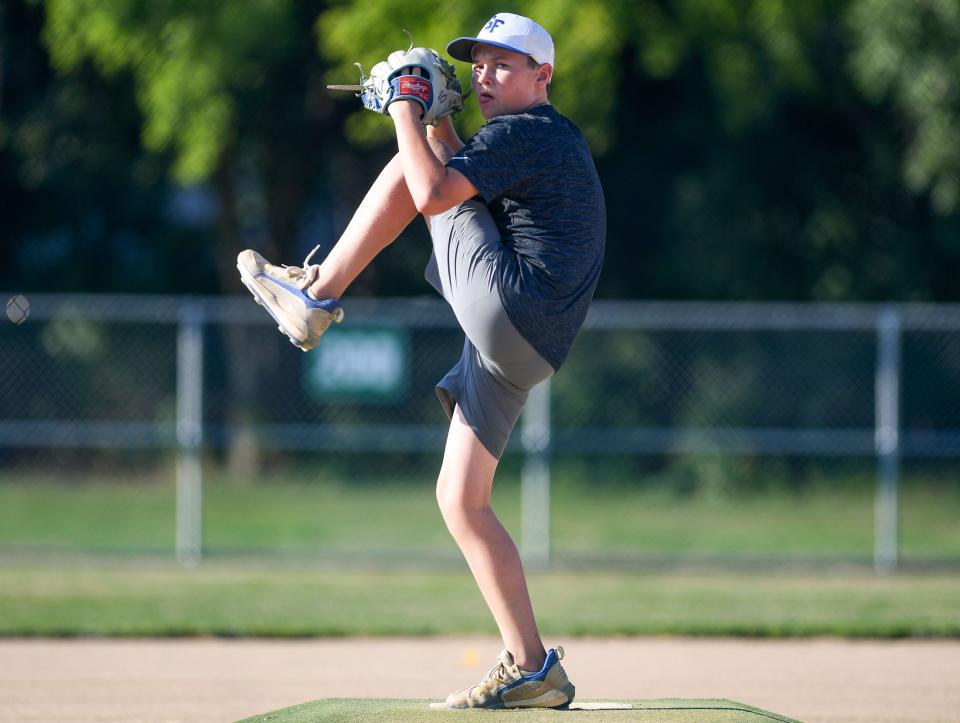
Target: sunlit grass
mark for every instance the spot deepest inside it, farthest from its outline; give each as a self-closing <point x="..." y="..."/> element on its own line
<point x="309" y="516"/>
<point x="134" y="598"/>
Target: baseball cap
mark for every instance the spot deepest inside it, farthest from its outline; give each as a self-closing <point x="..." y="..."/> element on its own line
<point x="509" y="31"/>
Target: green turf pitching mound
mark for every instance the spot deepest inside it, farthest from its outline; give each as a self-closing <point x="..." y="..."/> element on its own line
<point x="668" y="710"/>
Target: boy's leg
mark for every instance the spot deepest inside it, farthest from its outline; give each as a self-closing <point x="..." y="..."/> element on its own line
<point x="464" y="493"/>
<point x="385" y="211"/>
<point x="525" y="675"/>
<point x="304" y="301"/>
<point x="483" y="395"/>
<point x="466" y="477"/>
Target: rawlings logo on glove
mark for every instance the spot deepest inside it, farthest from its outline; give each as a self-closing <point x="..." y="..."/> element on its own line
<point x="419" y="75"/>
<point x="410" y="86"/>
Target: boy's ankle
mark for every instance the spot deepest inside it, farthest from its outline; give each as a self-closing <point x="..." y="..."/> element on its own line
<point x="530" y="664"/>
<point x="320" y="289"/>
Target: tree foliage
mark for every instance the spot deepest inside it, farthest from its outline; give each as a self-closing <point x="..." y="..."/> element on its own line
<point x="750" y="50"/>
<point x="908" y="53"/>
<point x="584" y="35"/>
<point x="757" y="149"/>
<point x="188" y="60"/>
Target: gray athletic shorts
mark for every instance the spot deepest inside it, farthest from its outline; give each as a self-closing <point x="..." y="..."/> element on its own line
<point x="498" y="366"/>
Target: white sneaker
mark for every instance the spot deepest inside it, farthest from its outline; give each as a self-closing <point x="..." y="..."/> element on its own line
<point x="282" y="291"/>
<point x="506" y="686"/>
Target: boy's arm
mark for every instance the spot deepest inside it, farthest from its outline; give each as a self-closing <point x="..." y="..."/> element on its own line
<point x="433" y="186"/>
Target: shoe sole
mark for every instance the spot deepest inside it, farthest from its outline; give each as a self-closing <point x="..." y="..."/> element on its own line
<point x="568" y="691"/>
<point x="527" y="704"/>
<point x="562" y="706"/>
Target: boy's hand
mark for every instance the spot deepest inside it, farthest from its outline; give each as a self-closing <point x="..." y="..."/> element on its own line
<point x="419" y="75"/>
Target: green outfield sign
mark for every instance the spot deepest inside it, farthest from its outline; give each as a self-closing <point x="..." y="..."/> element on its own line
<point x="360" y="365"/>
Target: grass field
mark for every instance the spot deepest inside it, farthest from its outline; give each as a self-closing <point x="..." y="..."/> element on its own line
<point x="356" y="518"/>
<point x="144" y="599"/>
<point x="665" y="710"/>
<point x="297" y="557"/>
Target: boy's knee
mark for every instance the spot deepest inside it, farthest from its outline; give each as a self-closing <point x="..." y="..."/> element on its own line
<point x="450" y="504"/>
<point x="461" y="522"/>
<point x="458" y="510"/>
<point x="453" y="513"/>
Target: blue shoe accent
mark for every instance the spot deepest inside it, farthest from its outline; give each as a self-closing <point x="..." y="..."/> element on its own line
<point x="552" y="659"/>
<point x="328" y="305"/>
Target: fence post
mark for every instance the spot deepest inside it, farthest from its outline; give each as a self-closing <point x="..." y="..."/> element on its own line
<point x="189" y="434"/>
<point x="535" y="477"/>
<point x="887" y="440"/>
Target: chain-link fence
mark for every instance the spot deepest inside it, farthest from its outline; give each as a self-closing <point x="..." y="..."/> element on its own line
<point x="675" y="432"/>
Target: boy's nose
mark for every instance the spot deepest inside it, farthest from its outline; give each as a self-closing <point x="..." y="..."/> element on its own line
<point x="483" y="75"/>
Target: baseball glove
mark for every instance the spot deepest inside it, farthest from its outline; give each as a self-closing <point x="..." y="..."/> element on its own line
<point x="418" y="74"/>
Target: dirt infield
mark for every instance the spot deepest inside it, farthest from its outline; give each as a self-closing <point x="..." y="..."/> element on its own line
<point x="219" y="680"/>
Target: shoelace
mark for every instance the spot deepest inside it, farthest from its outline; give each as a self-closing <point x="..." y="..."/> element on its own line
<point x="497" y="674"/>
<point x="298" y="272"/>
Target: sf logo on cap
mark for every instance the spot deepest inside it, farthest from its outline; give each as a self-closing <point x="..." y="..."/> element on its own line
<point x="493" y="24"/>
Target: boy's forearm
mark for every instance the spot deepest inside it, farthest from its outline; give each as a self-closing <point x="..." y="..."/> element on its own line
<point x="422" y="170"/>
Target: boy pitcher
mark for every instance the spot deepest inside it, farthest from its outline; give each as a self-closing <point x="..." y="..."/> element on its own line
<point x="517" y="219"/>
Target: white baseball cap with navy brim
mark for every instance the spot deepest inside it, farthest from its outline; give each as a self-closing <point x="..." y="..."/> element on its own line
<point x="511" y="32"/>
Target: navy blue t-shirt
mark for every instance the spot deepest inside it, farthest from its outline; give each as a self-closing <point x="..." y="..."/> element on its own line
<point x="536" y="175"/>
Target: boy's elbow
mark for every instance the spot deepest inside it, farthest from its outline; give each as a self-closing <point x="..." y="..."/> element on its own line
<point x="423" y="203"/>
<point x="431" y="202"/>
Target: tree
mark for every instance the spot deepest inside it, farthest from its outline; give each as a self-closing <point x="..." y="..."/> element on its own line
<point x="738" y="157"/>
<point x="908" y="53"/>
<point x="749" y="149"/>
<point x="588" y="35"/>
<point x="83" y="202"/>
<point x="230" y="89"/>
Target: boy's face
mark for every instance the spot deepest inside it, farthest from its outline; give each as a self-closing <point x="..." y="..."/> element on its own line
<point x="505" y="83"/>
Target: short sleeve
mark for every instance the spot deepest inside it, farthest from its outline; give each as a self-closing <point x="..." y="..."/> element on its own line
<point x="494" y="159"/>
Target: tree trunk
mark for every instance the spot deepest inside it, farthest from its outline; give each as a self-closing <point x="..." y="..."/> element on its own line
<point x="243" y="368"/>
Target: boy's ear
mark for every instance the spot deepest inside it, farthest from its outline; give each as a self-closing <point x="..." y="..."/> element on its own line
<point x="545" y="73"/>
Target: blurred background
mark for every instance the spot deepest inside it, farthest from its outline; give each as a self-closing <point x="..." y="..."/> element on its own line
<point x="770" y="374"/>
